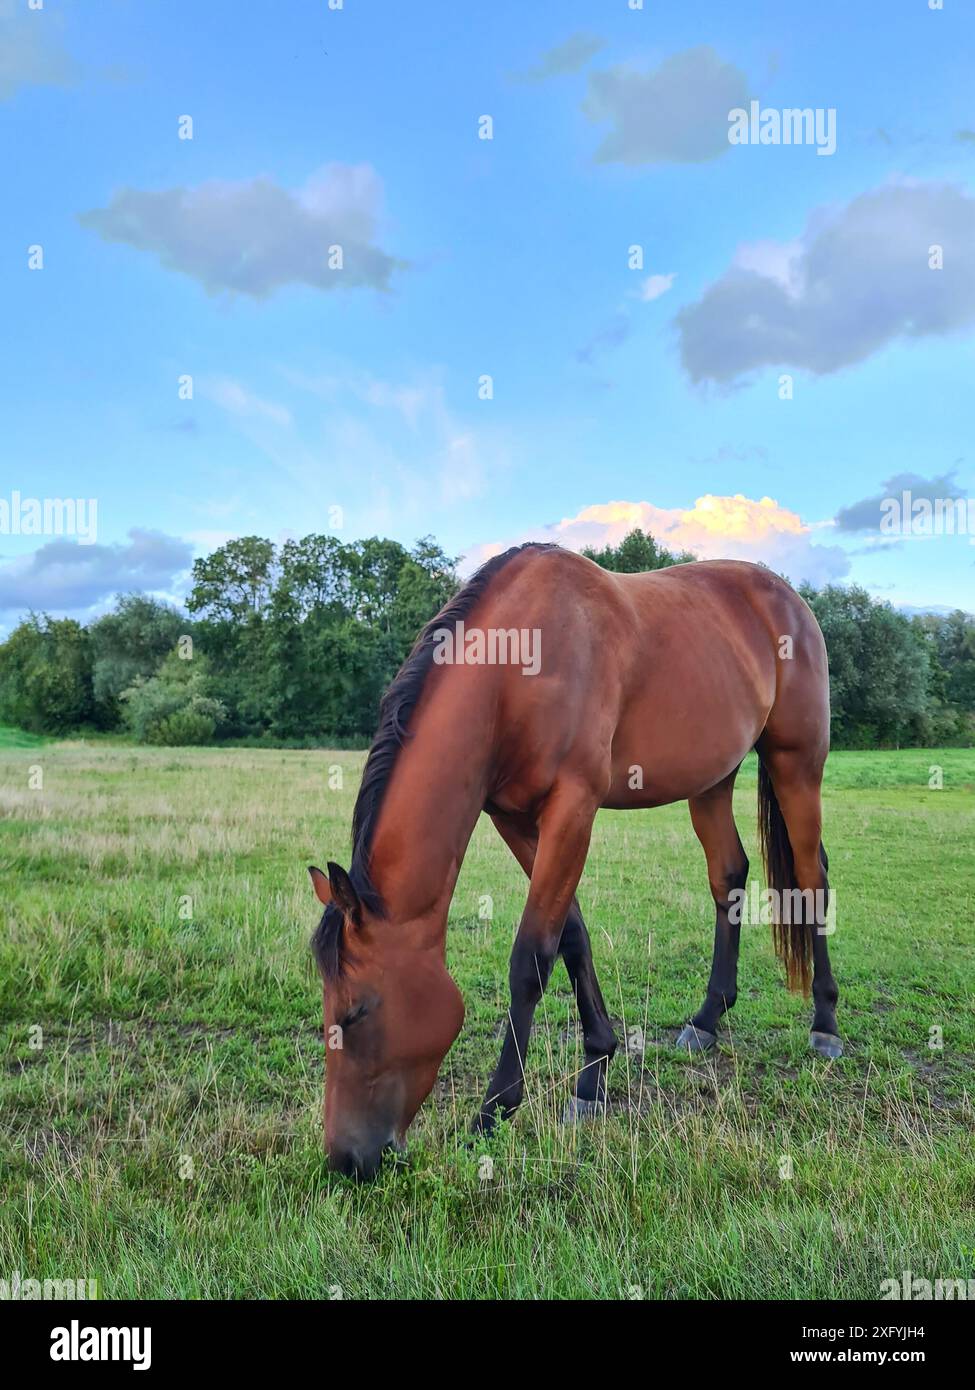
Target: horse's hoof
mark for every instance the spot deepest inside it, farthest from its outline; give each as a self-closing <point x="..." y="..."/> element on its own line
<point x="576" y="1110"/>
<point x="826" y="1044"/>
<point x="696" y="1039"/>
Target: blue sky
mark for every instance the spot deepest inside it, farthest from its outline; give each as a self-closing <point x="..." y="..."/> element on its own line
<point x="656" y="389"/>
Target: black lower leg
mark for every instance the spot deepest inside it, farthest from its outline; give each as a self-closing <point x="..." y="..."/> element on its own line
<point x="599" y="1040"/>
<point x="723" y="983"/>
<point x="529" y="973"/>
<point x="824" y="988"/>
<point x="553" y="855"/>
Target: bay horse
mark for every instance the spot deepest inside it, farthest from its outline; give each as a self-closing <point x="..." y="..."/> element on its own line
<point x="586" y="689"/>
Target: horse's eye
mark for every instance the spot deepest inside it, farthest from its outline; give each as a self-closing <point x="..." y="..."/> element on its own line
<point x="354" y="1015"/>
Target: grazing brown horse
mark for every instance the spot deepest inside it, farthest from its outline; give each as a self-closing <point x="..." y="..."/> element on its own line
<point x="546" y="689"/>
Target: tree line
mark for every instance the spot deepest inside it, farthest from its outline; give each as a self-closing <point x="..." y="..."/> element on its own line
<point x="294" y="644"/>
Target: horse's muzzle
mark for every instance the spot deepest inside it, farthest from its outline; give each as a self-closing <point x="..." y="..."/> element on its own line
<point x="362" y="1165"/>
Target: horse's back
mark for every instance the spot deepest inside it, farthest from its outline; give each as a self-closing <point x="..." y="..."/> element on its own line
<point x="660" y="682"/>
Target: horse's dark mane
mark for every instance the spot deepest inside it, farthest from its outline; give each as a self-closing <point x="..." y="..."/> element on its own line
<point x="395" y="710"/>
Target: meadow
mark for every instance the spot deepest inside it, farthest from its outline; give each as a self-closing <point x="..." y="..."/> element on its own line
<point x="161" y="1057"/>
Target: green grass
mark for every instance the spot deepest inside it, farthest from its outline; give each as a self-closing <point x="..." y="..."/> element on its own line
<point x="161" y="1133"/>
<point x="19" y="738"/>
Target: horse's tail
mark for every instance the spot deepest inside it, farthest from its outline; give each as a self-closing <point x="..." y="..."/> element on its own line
<point x="793" y="939"/>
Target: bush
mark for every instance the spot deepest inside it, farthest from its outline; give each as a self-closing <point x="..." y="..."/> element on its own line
<point x="185" y="726"/>
<point x="174" y="706"/>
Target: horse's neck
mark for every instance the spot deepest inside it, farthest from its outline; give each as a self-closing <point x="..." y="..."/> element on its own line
<point x="436" y="791"/>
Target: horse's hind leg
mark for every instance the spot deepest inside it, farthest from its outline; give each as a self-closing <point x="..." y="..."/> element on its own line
<point x="797" y="792"/>
<point x="714" y="824"/>
<point x="520" y="834"/>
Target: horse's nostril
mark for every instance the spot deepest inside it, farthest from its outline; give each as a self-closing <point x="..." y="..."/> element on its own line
<point x="367" y="1168"/>
<point x="363" y="1168"/>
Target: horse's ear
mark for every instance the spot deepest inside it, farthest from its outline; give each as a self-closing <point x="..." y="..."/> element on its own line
<point x="343" y="893"/>
<point x="321" y="885"/>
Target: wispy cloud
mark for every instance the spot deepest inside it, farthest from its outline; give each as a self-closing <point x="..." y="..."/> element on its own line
<point x="453" y="464"/>
<point x="231" y="396"/>
<point x="611" y="336"/>
<point x="569" y="56"/>
<point x="410" y="399"/>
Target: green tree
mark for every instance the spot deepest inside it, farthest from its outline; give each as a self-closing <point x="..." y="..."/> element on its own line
<point x="46" y="676"/>
<point x="315" y="574"/>
<point x="234" y="583"/>
<point x="950" y="642"/>
<point x="956" y="653"/>
<point x="232" y="593"/>
<point x="427" y="580"/>
<point x="638" y="551"/>
<point x="879" y="667"/>
<point x="341" y="620"/>
<point x="131" y="641"/>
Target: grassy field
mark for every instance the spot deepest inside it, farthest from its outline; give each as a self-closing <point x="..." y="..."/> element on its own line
<point x="18" y="738"/>
<point x="161" y="1060"/>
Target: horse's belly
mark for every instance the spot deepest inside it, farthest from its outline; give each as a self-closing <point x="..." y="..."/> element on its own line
<point x="657" y="781"/>
<point x="670" y="750"/>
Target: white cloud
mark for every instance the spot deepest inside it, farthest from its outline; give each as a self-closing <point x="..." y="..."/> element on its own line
<point x="254" y="237"/>
<point x="867" y="513"/>
<point x="30" y="49"/>
<point x="63" y="576"/>
<point x="776" y="260"/>
<point x="857" y="280"/>
<point x="656" y="285"/>
<point x="675" y="114"/>
<point x="730" y="528"/>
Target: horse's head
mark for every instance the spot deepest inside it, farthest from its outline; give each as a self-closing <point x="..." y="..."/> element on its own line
<point x="391" y="1014"/>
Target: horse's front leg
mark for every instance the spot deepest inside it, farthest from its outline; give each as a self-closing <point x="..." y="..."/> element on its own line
<point x="564" y="828"/>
